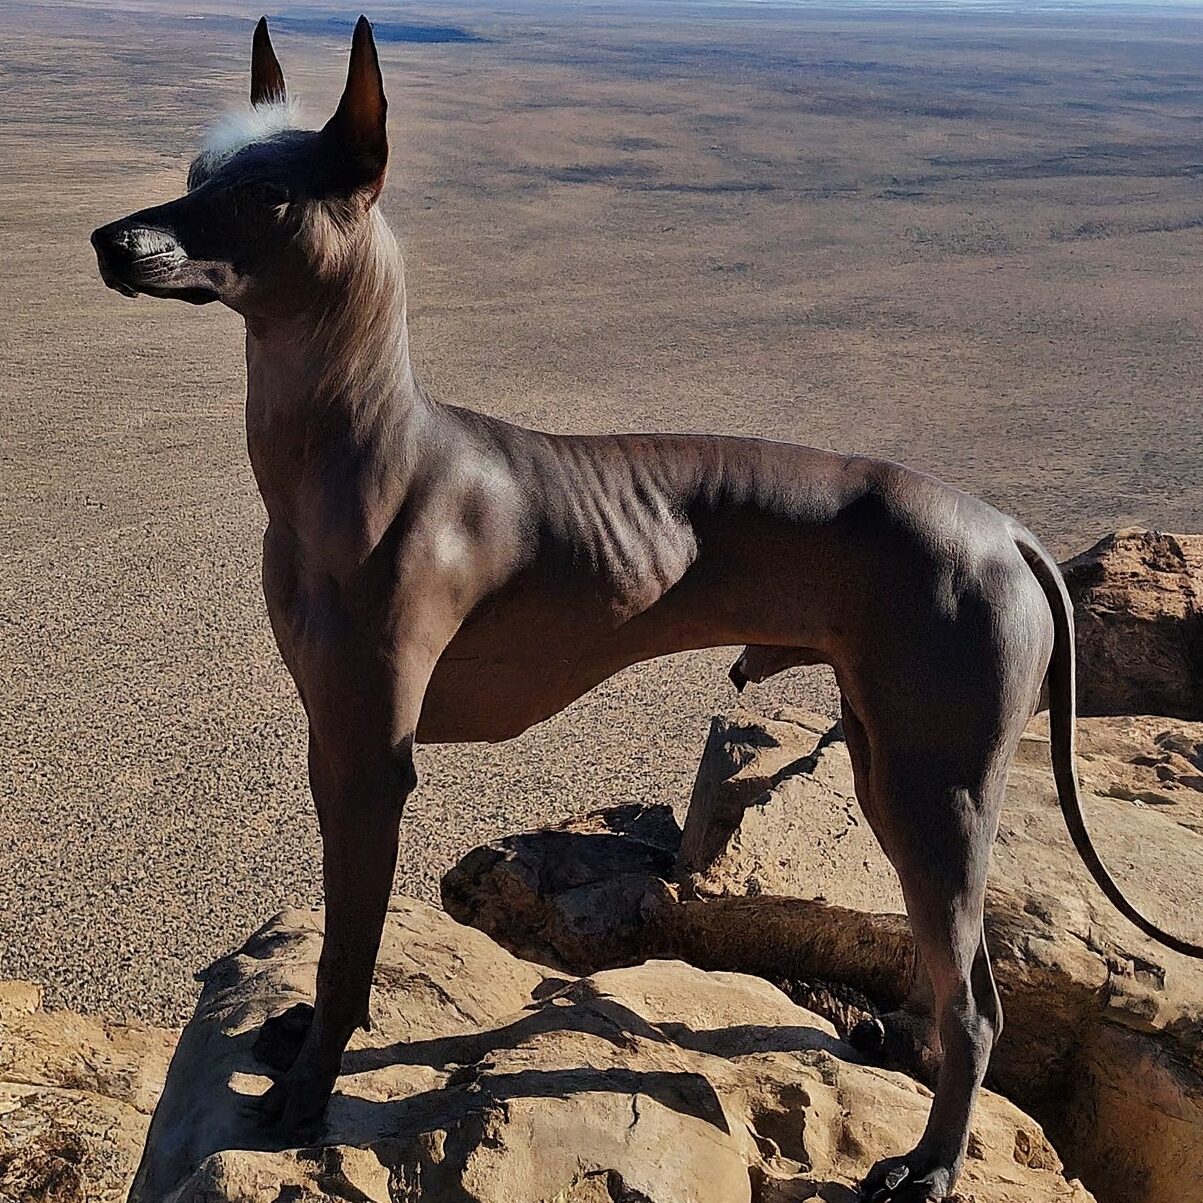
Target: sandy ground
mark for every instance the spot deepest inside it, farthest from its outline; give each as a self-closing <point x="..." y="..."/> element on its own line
<point x="971" y="244"/>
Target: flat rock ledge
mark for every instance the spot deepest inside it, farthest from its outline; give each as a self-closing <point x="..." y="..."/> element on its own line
<point x="488" y="1078"/>
<point x="776" y="874"/>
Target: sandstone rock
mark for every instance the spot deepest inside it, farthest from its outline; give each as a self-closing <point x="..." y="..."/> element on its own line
<point x="75" y="1100"/>
<point x="19" y="998"/>
<point x="488" y="1078"/>
<point x="600" y="870"/>
<point x="1107" y="1040"/>
<point x="774" y="811"/>
<point x="511" y="889"/>
<point x="1138" y="602"/>
<point x="1104" y="1032"/>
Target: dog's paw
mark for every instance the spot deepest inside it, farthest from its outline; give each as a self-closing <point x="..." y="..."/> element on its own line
<point x="900" y="1040"/>
<point x="292" y="1110"/>
<point x="914" y="1178"/>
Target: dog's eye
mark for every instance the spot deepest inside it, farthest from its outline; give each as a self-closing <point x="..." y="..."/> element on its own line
<point x="268" y="192"/>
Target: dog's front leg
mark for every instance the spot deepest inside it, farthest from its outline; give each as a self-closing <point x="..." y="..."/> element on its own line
<point x="363" y="705"/>
<point x="359" y="815"/>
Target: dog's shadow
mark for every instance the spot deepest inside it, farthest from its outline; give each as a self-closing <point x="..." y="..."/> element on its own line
<point x="478" y="1080"/>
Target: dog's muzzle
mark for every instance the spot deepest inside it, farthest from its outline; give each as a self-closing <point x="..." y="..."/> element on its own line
<point x="135" y="258"/>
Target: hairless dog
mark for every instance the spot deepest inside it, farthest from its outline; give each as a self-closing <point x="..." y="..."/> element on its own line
<point x="433" y="575"/>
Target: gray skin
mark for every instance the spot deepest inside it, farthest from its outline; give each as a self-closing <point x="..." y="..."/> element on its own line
<point x="433" y="575"/>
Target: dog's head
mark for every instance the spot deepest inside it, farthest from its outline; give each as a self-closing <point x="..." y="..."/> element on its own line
<point x="271" y="210"/>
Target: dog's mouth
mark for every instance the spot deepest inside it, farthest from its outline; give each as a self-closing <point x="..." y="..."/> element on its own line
<point x="154" y="276"/>
<point x="117" y="284"/>
<point x="129" y="273"/>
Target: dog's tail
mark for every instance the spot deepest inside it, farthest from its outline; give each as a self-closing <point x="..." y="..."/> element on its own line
<point x="1061" y="720"/>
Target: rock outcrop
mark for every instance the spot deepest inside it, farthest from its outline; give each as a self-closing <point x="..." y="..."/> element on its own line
<point x="1138" y="602"/>
<point x="76" y="1096"/>
<point x="772" y="813"/>
<point x="1104" y="1032"/>
<point x="490" y="1078"/>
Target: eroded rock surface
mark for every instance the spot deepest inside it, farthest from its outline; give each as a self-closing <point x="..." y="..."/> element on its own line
<point x="1104" y="1031"/>
<point x="490" y="1078"/>
<point x="1138" y="605"/>
<point x="76" y="1095"/>
<point x="1107" y="1039"/>
<point x="774" y="811"/>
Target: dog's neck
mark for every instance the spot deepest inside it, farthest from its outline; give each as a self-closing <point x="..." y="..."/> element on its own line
<point x="332" y="405"/>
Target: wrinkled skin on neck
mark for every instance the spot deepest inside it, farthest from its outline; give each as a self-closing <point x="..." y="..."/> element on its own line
<point x="332" y="404"/>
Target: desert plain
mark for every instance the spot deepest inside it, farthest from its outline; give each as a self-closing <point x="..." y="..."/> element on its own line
<point x="964" y="237"/>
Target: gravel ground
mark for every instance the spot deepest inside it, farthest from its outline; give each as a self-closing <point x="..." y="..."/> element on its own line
<point x="152" y="799"/>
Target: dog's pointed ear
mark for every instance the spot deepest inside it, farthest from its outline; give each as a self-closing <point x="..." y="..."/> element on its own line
<point x="267" y="80"/>
<point x="357" y="132"/>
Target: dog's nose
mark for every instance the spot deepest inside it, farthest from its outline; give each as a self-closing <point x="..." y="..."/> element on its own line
<point x="123" y="241"/>
<point x="113" y="237"/>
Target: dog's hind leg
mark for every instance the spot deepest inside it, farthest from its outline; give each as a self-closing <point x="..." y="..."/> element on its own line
<point x="939" y="830"/>
<point x="905" y="1038"/>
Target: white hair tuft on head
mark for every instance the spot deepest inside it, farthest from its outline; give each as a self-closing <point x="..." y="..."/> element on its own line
<point x="244" y="128"/>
